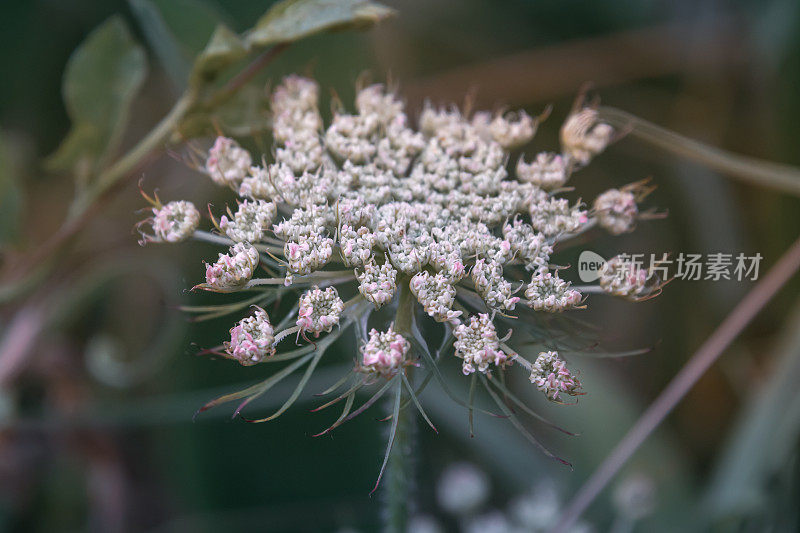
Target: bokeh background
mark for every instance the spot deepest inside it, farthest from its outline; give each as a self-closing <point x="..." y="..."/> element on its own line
<point x="96" y="427"/>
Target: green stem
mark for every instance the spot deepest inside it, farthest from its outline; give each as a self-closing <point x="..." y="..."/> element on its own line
<point x="157" y="136"/>
<point x="758" y="172"/>
<point x="399" y="477"/>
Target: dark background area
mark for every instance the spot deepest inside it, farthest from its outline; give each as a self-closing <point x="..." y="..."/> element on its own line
<point x="97" y="431"/>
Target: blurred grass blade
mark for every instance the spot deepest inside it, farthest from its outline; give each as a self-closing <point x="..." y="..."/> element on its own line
<point x="102" y="78"/>
<point x="162" y="41"/>
<point x="291" y="20"/>
<point x="765" y="436"/>
<point x="767" y="174"/>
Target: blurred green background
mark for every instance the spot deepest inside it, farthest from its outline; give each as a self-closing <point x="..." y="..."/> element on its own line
<point x="97" y="430"/>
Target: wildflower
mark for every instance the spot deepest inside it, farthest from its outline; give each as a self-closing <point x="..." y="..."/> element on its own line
<point x="227" y="163"/>
<point x="583" y="136"/>
<point x="622" y="277"/>
<point x="446" y="258"/>
<point x="554" y="216"/>
<point x="551" y="376"/>
<point x="378" y="283"/>
<point x="173" y="222"/>
<point x="616" y="211"/>
<point x="250" y="222"/>
<point x="356" y="245"/>
<point x="548" y="171"/>
<point x="529" y="245"/>
<point x="495" y="290"/>
<point x="477" y="344"/>
<point x="432" y="204"/>
<point x="233" y="270"/>
<point x="252" y="339"/>
<point x="436" y="295"/>
<point x="384" y="353"/>
<point x="513" y="130"/>
<point x="548" y="292"/>
<point x="319" y="310"/>
<point x="307" y="254"/>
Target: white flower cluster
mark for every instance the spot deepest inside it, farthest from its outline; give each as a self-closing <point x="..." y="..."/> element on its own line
<point x="227" y="163"/>
<point x="496" y="290"/>
<point x="436" y="294"/>
<point x="252" y="339"/>
<point x="377" y="284"/>
<point x="616" y="211"/>
<point x="405" y="210"/>
<point x="234" y="269"/>
<point x="548" y="292"/>
<point x="530" y="247"/>
<point x="384" y="353"/>
<point x="551" y="376"/>
<point x="356" y="245"/>
<point x="250" y="222"/>
<point x="548" y="171"/>
<point x="625" y="278"/>
<point x="319" y="310"/>
<point x="555" y="216"/>
<point x="477" y="344"/>
<point x="583" y="136"/>
<point x="174" y="222"/>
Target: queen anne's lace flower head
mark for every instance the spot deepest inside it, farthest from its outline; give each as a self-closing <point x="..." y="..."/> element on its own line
<point x="477" y="344"/>
<point x="228" y="163"/>
<point x="551" y="376"/>
<point x="173" y="222"/>
<point x="234" y="269"/>
<point x="366" y="199"/>
<point x="616" y="211"/>
<point x="252" y="339"/>
<point x="548" y="292"/>
<point x="250" y="222"/>
<point x="319" y="310"/>
<point x="384" y="353"/>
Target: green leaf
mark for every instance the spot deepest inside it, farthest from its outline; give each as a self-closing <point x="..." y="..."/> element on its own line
<point x="101" y="80"/>
<point x="224" y="49"/>
<point x="244" y="114"/>
<point x="177" y="31"/>
<point x="291" y="20"/>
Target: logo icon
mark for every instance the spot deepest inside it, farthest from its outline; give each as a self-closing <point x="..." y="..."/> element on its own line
<point x="589" y="266"/>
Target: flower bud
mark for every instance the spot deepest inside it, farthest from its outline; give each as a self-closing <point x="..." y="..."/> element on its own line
<point x="227" y="163"/>
<point x="477" y="344"/>
<point x="384" y="353"/>
<point x="233" y="270"/>
<point x="319" y="310"/>
<point x="252" y="339"/>
<point x="551" y="376"/>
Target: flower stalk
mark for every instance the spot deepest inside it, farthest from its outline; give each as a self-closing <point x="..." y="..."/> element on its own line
<point x="399" y="480"/>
